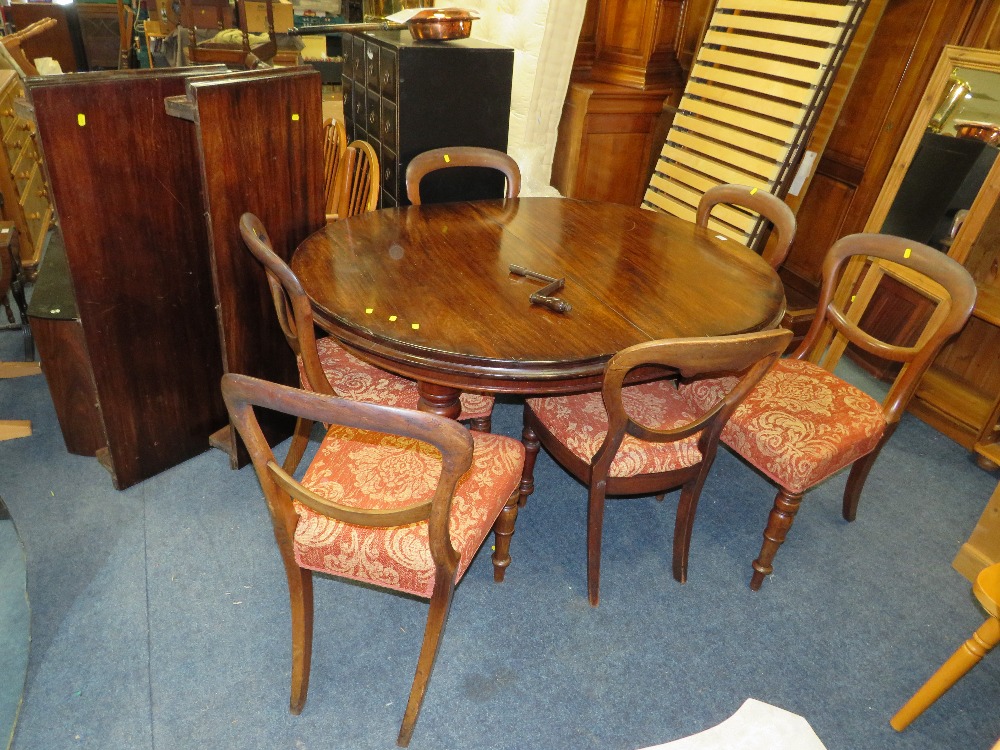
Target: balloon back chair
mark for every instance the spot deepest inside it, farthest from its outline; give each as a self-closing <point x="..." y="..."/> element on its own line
<point x="412" y="494"/>
<point x="324" y="365"/>
<point x="802" y="423"/>
<point x="643" y="439"/>
<point x="730" y="199"/>
<point x="460" y="156"/>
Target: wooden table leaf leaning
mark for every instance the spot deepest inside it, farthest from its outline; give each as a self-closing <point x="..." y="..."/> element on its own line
<point x="427" y="292"/>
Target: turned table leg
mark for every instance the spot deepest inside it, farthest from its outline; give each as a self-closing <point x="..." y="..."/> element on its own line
<point x="439" y="399"/>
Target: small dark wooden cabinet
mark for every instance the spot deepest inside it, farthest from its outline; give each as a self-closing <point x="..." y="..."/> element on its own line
<point x="404" y="97"/>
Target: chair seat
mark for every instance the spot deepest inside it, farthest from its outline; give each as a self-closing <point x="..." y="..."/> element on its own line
<point x="580" y="422"/>
<point x="377" y="471"/>
<point x="800" y="425"/>
<point x="357" y="380"/>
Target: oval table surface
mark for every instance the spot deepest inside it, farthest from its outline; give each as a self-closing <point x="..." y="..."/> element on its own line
<point x="426" y="291"/>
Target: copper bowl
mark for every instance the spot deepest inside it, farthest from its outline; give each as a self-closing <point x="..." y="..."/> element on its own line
<point x="441" y="24"/>
<point x="981" y="131"/>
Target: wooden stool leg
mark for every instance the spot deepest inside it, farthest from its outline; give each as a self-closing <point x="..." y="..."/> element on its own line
<point x="965" y="658"/>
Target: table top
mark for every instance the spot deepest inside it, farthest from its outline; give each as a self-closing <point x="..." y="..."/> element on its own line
<point x="427" y="291"/>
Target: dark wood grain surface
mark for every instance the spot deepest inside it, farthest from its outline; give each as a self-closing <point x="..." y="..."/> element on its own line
<point x="631" y="276"/>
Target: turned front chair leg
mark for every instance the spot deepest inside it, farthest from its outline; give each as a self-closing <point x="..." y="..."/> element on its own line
<point x="531" y="447"/>
<point x="786" y="505"/>
<point x="481" y="424"/>
<point x="503" y="530"/>
<point x="965" y="658"/>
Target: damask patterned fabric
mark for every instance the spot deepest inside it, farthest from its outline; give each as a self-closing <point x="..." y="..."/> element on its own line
<point x="372" y="470"/>
<point x="357" y="380"/>
<point x="580" y="422"/>
<point x="800" y="425"/>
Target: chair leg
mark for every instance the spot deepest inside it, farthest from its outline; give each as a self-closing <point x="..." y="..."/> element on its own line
<point x="965" y="658"/>
<point x="481" y="424"/>
<point x="531" y="447"/>
<point x="297" y="447"/>
<point x="595" y="529"/>
<point x="300" y="589"/>
<point x="786" y="505"/>
<point x="437" y="616"/>
<point x="855" y="483"/>
<point x="683" y="526"/>
<point x="503" y="530"/>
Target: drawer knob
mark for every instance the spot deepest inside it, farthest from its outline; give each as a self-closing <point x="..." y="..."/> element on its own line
<point x="24" y="175"/>
<point x="34" y="216"/>
<point x="371" y="117"/>
<point x="43" y="193"/>
<point x="25" y="126"/>
<point x="8" y="112"/>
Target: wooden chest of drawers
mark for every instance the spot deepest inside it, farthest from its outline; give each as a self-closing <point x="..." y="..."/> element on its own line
<point x="405" y="97"/>
<point x="23" y="184"/>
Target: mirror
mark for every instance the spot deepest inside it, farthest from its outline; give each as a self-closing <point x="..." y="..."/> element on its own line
<point x="948" y="154"/>
<point x="934" y="191"/>
<point x="14" y="626"/>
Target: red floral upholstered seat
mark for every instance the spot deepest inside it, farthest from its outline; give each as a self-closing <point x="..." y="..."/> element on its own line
<point x="644" y="439"/>
<point x="398" y="498"/>
<point x="353" y="378"/>
<point x="580" y="422"/>
<point x="376" y="471"/>
<point x="800" y="425"/>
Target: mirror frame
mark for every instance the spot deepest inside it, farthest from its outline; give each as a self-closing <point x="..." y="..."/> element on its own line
<point x="951" y="57"/>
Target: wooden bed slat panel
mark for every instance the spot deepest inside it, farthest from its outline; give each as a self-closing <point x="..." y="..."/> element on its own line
<point x="811" y="31"/>
<point x="823" y="12"/>
<point x="718" y="94"/>
<point x="766" y="87"/>
<point x="765" y="148"/>
<point x="783" y="132"/>
<point x="775" y="47"/>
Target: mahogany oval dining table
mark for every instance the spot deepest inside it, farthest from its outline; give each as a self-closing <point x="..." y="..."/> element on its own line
<point x="426" y="291"/>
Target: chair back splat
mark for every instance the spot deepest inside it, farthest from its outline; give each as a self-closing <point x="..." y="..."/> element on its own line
<point x="334" y="146"/>
<point x="461" y="156"/>
<point x="359" y="180"/>
<point x="459" y="485"/>
<point x="803" y="423"/>
<point x="643" y="439"/>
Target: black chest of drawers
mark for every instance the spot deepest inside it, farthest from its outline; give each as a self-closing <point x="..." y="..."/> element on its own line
<point x="404" y="97"/>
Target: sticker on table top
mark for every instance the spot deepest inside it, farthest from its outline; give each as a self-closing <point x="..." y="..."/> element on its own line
<point x="447" y="159"/>
<point x="369" y="310"/>
<point x="415" y="326"/>
<point x="81" y="119"/>
<point x="392" y="318"/>
<point x="906" y="252"/>
<point x="295" y="117"/>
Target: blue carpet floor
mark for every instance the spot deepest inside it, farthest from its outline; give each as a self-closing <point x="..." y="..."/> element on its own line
<point x="160" y="614"/>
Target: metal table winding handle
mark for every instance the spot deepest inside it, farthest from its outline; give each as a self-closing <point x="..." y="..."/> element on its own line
<point x="543" y="295"/>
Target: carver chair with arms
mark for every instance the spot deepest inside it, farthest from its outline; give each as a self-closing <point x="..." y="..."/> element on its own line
<point x="643" y="439"/>
<point x="731" y="198"/>
<point x="802" y="423"/>
<point x="324" y="365"/>
<point x="460" y="156"/>
<point x="394" y="498"/>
